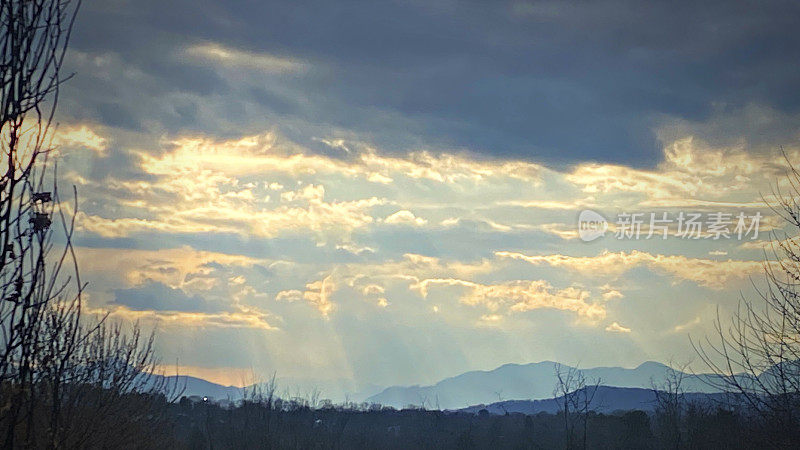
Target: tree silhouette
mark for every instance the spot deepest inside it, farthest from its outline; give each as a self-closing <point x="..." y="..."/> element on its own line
<point x="575" y="394"/>
<point x="64" y="381"/>
<point x="756" y="355"/>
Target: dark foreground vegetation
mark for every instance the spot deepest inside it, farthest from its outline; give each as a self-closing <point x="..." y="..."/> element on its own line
<point x="333" y="428"/>
<point x="208" y="426"/>
<point x="145" y="421"/>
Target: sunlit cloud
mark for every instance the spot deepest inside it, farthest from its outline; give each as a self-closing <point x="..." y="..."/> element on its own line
<point x="404" y="217"/>
<point x="552" y="204"/>
<point x="409" y="238"/>
<point x="692" y="174"/>
<point x="705" y="272"/>
<point x="173" y="267"/>
<point x="680" y="328"/>
<point x="219" y="54"/>
<point x="168" y="319"/>
<point x="617" y="328"/>
<point x="519" y="296"/>
<point x="317" y="293"/>
<point x="80" y="136"/>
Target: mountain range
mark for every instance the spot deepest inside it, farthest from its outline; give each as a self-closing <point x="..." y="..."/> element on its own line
<point x="606" y="399"/>
<point x="501" y="387"/>
<point x="533" y="381"/>
<point x="336" y="390"/>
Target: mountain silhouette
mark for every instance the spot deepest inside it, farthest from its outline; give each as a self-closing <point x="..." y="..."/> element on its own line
<point x="334" y="389"/>
<point x="533" y="381"/>
<point x="606" y="399"/>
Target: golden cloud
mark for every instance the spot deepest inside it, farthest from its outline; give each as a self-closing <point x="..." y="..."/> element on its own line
<point x="519" y="296"/>
<point x="705" y="272"/>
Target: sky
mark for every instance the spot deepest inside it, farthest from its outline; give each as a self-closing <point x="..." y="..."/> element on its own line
<point x="380" y="193"/>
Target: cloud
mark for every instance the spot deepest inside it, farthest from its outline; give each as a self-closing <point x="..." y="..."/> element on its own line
<point x="611" y="294"/>
<point x="234" y="58"/>
<point x="519" y="99"/>
<point x="705" y="272"/>
<point x="80" y="136"/>
<point x="207" y="186"/>
<point x="572" y="205"/>
<point x="159" y="297"/>
<point x="692" y="174"/>
<point x="617" y="328"/>
<point x="172" y="267"/>
<point x="290" y="133"/>
<point x="203" y="207"/>
<point x="264" y="185"/>
<point x="404" y="217"/>
<point x="687" y="325"/>
<point x="519" y="296"/>
<point x="270" y="153"/>
<point x="291" y="295"/>
<point x="317" y="293"/>
<point x="559" y="229"/>
<point x="181" y="320"/>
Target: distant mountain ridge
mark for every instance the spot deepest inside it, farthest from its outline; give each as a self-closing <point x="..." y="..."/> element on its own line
<point x="507" y="383"/>
<point x="335" y="390"/>
<point x="606" y="399"/>
<point x="535" y="381"/>
<point x="193" y="386"/>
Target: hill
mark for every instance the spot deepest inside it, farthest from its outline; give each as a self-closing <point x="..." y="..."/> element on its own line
<point x="533" y="381"/>
<point x="607" y="399"/>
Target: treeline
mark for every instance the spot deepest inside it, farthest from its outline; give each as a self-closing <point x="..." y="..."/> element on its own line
<point x="205" y="425"/>
<point x="151" y="421"/>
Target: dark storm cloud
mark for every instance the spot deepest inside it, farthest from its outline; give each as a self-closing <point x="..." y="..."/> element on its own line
<point x="554" y="81"/>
